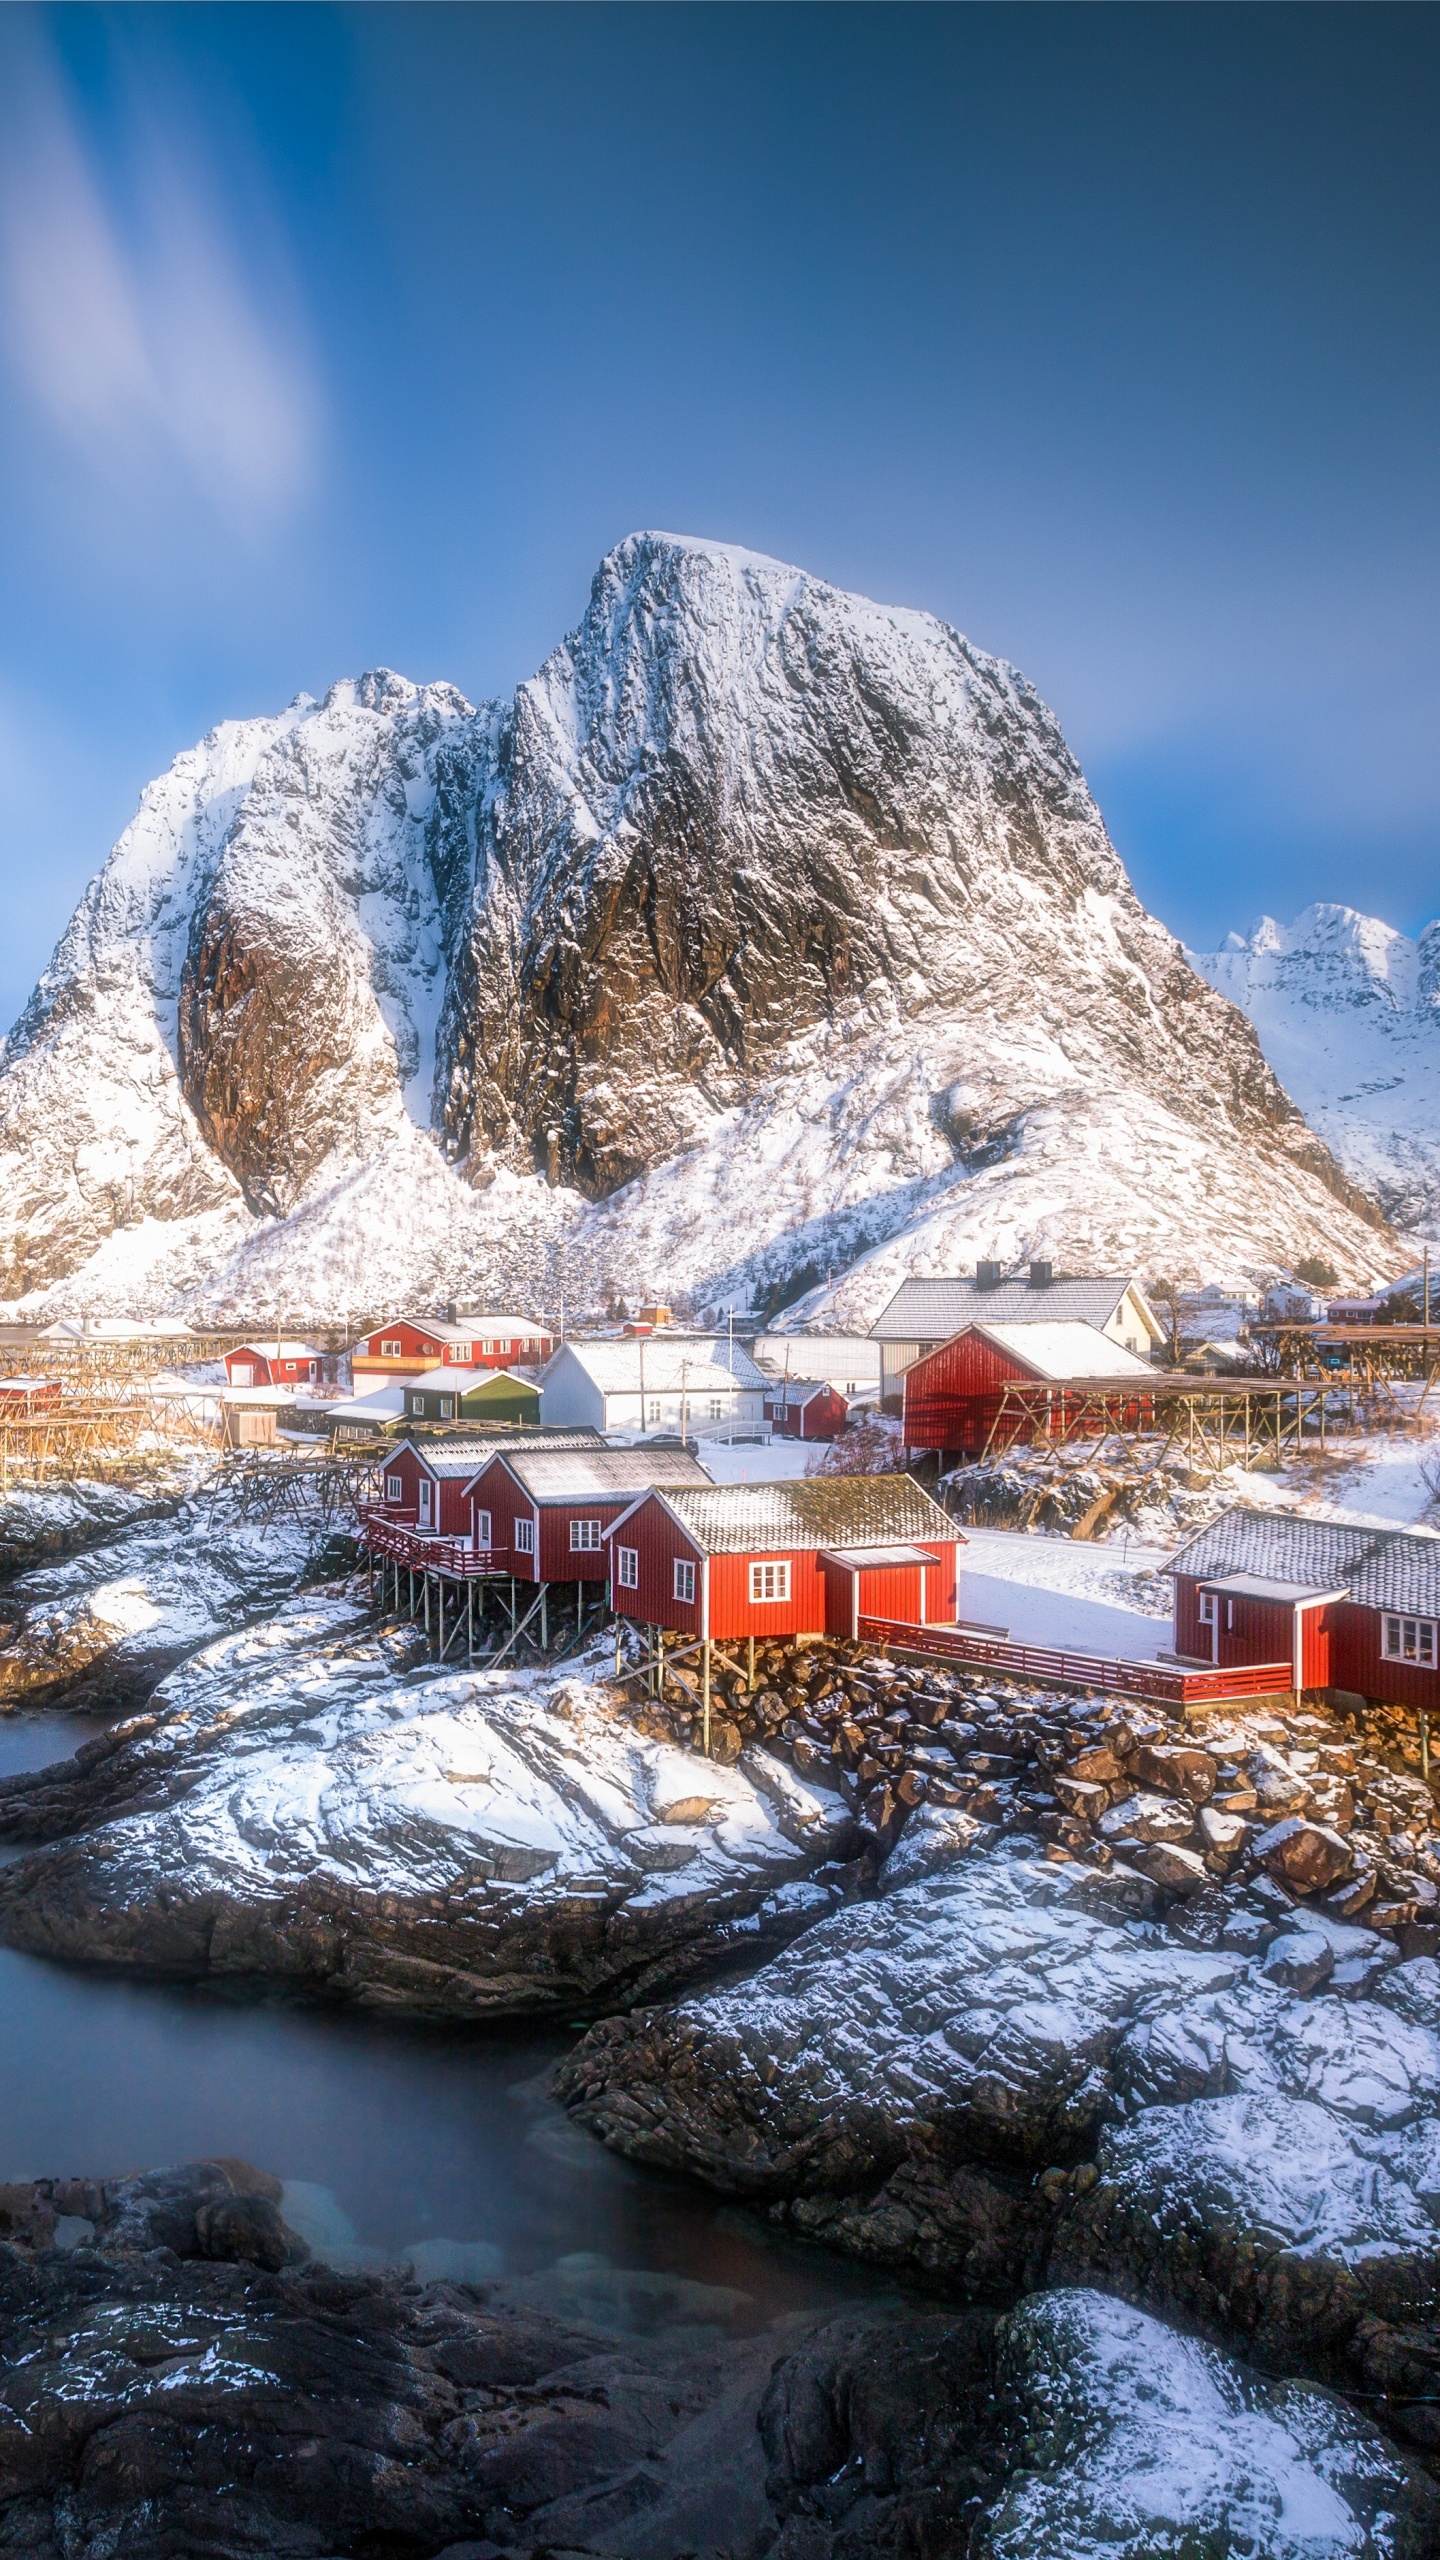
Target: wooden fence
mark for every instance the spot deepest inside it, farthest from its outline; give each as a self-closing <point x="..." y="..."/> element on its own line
<point x="1175" y="1686"/>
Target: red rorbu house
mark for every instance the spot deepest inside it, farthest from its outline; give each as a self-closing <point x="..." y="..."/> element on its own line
<point x="426" y="1483"/>
<point x="274" y="1364"/>
<point x="1346" y="1608"/>
<point x="806" y="1409"/>
<point x="811" y="1557"/>
<point x="953" y="1395"/>
<point x="545" y="1511"/>
<point x="407" y="1346"/>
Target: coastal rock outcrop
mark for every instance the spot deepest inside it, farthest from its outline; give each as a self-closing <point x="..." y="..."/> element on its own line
<point x="296" y="1805"/>
<point x="177" y="2376"/>
<point x="993" y="2075"/>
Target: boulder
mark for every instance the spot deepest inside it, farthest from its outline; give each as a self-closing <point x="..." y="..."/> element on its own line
<point x="1175" y="1870"/>
<point x="1307" y="1856"/>
<point x="1299" y="1960"/>
<point x="1175" y="1769"/>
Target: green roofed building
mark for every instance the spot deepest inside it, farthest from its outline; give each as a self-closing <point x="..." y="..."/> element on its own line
<point x="474" y="1395"/>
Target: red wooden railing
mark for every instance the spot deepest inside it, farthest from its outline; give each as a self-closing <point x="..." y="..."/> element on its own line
<point x="426" y="1551"/>
<point x="1177" y="1687"/>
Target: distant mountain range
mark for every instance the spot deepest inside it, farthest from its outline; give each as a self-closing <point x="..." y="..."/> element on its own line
<point x="768" y="938"/>
<point x="1347" y="1011"/>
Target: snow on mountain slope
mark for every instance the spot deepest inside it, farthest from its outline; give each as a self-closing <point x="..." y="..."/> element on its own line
<point x="766" y="928"/>
<point x="1348" y="1013"/>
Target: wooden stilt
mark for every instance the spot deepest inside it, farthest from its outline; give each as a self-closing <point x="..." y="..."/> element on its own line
<point x="750" y="1662"/>
<point x="469" y="1621"/>
<point x="440" y="1606"/>
<point x="544" y="1617"/>
<point x="705" y="1697"/>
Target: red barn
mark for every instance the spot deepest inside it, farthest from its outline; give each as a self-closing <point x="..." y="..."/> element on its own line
<point x="274" y="1364"/>
<point x="407" y="1346"/>
<point x="809" y="1557"/>
<point x="953" y="1394"/>
<point x="1346" y="1608"/>
<point x="547" y="1509"/>
<point x="806" y="1409"/>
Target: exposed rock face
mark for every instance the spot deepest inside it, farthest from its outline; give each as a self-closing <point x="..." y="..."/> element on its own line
<point x="989" y="2075"/>
<point x="100" y="1629"/>
<point x="1347" y="1011"/>
<point x="478" y="1844"/>
<point x="751" y="873"/>
<point x="178" y="2379"/>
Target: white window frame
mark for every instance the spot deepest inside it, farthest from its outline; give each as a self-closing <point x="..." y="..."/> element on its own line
<point x="585" y="1536"/>
<point x="394" y="1488"/>
<point x="487" y="1350"/>
<point x="653" y="1406"/>
<point x="459" y="1352"/>
<point x="1407" y="1639"/>
<point x="447" y="1408"/>
<point x="392" y="1350"/>
<point x="685" y="1580"/>
<point x="484" y="1529"/>
<point x="1209" y="1608"/>
<point x="717" y="1408"/>
<point x="770" y="1581"/>
<point x="525" y="1537"/>
<point x="627" y="1568"/>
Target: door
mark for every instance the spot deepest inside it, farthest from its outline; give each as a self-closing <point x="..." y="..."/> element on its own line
<point x="243" y="1373"/>
<point x="426" y="1490"/>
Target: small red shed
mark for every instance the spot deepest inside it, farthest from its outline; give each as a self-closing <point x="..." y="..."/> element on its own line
<point x="1347" y="1608"/>
<point x="806" y="1409"/>
<point x="952" y="1395"/>
<point x="27" y="1395"/>
<point x="547" y="1510"/>
<point x="809" y="1557"/>
<point x="274" y="1364"/>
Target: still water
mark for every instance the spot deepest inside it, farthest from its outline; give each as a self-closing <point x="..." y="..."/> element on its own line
<point x="433" y="2144"/>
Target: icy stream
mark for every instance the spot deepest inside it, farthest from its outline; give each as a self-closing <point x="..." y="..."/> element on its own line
<point x="432" y="2144"/>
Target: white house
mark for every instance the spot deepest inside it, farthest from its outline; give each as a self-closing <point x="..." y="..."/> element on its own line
<point x="656" y="1382"/>
<point x="850" y="1362"/>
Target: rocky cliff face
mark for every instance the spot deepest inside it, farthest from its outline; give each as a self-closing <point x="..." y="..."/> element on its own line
<point x="1347" y="1011"/>
<point x="767" y="929"/>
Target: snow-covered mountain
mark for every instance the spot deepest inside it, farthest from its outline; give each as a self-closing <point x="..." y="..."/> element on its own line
<point x="1348" y="1013"/>
<point x="767" y="932"/>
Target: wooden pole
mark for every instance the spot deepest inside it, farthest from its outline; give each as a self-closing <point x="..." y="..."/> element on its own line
<point x="544" y="1617"/>
<point x="750" y="1651"/>
<point x="469" y="1621"/>
<point x="705" y="1696"/>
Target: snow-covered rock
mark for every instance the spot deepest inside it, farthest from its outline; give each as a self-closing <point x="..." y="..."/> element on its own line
<point x="1347" y="1011"/>
<point x="99" y="1628"/>
<point x="294" y="1805"/>
<point x="1138" y="2441"/>
<point x="990" y="2074"/>
<point x="766" y="928"/>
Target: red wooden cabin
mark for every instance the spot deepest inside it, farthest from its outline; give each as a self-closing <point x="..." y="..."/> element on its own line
<point x="407" y="1346"/>
<point x="806" y="1409"/>
<point x="1347" y="1608"/>
<point x="805" y="1558"/>
<point x="28" y="1395"/>
<point x="953" y="1395"/>
<point x="274" y="1364"/>
<point x="546" y="1510"/>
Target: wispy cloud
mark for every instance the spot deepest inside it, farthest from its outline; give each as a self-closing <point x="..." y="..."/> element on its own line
<point x="129" y="313"/>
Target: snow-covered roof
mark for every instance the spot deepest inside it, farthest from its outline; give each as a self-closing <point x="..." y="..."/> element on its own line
<point x="383" y="1405"/>
<point x="567" y="1475"/>
<point x="461" y="1382"/>
<point x="798" y="1391"/>
<point x="931" y="1310"/>
<point x="472" y="1329"/>
<point x="693" y="1364"/>
<point x="1065" y="1350"/>
<point x="819" y="1355"/>
<point x="809" y="1511"/>
<point x="275" y="1351"/>
<point x="464" y="1453"/>
<point x="865" y="1557"/>
<point x="1379" y="1568"/>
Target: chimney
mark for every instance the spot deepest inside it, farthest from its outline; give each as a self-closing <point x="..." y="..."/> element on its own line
<point x="988" y="1275"/>
<point x="1041" y="1274"/>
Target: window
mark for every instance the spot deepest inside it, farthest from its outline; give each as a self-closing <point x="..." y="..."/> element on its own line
<point x="717" y="1408"/>
<point x="584" y="1537"/>
<point x="654" y="1409"/>
<point x="627" y="1568"/>
<point x="459" y="1351"/>
<point x="391" y="1350"/>
<point x="394" y="1488"/>
<point x="487" y="1350"/>
<point x="483" y="1525"/>
<point x="417" y="1404"/>
<point x="1410" y="1640"/>
<point x="684" y="1579"/>
<point x="1209" y="1608"/>
<point x="447" y="1408"/>
<point x="770" y="1581"/>
<point x="525" y="1537"/>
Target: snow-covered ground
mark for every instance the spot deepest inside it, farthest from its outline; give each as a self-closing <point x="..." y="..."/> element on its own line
<point x="746" y="1463"/>
<point x="1057" y="1591"/>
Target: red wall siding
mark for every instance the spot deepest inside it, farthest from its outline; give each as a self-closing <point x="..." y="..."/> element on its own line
<point x="449" y="1510"/>
<point x="1357" y="1662"/>
<point x="951" y="1395"/>
<point x="406" y="1465"/>
<point x="734" y="1613"/>
<point x="495" y="1490"/>
<point x="658" y="1540"/>
<point x="1254" y="1631"/>
<point x="558" y="1562"/>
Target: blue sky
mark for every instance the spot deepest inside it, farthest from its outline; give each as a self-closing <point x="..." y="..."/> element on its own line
<point x="339" y="337"/>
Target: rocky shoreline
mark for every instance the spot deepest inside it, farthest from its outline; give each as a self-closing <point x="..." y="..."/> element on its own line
<point x="180" y="2376"/>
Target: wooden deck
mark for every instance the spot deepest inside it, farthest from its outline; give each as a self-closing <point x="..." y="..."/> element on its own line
<point x="1169" y="1685"/>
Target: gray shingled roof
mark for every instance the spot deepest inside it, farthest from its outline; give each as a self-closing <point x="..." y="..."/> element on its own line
<point x="931" y="1310"/>
<point x="1380" y="1568"/>
<point x="811" y="1511"/>
<point x="463" y="1453"/>
<point x="559" y="1475"/>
